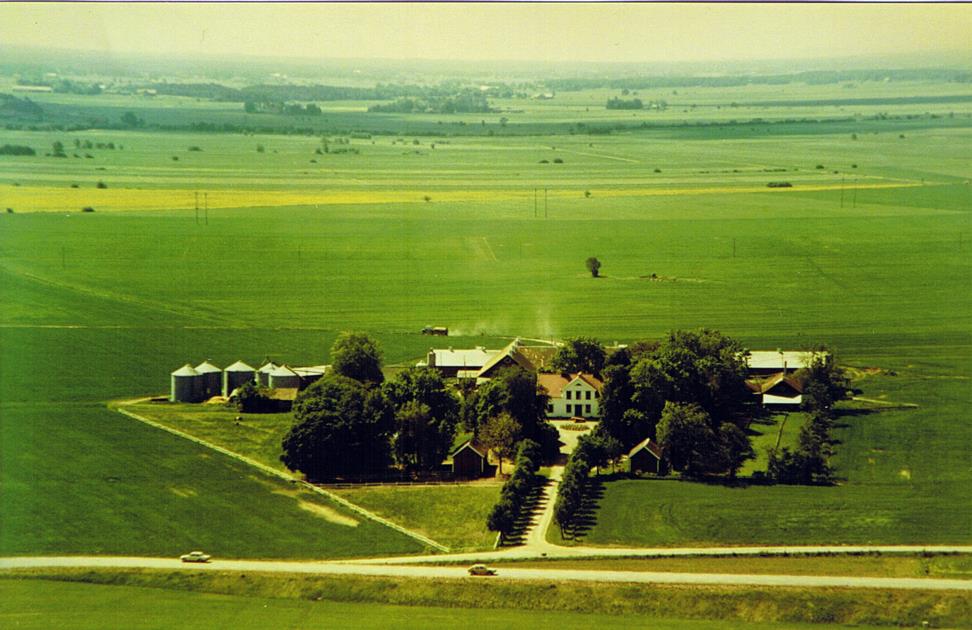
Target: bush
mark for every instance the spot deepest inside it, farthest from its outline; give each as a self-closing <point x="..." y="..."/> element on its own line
<point x="253" y="399"/>
<point x="87" y="209"/>
<point x="558" y="161"/>
<point x="101" y="184"/>
<point x="16" y="149"/>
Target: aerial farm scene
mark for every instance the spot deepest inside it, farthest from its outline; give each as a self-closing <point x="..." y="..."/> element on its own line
<point x="582" y="315"/>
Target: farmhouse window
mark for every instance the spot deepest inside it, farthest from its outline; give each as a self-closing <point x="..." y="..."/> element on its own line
<point x="587" y="408"/>
<point x="587" y="395"/>
<point x="568" y="394"/>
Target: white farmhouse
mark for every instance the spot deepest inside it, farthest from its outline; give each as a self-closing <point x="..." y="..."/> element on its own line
<point x="572" y="395"/>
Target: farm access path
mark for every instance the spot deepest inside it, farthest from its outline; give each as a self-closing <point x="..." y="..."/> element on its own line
<point x="460" y="573"/>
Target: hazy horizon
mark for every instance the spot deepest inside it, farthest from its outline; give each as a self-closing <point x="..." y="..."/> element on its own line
<point x="543" y="33"/>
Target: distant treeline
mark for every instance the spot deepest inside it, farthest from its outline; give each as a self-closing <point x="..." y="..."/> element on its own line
<point x="819" y="77"/>
<point x="468" y="102"/>
<point x="63" y="86"/>
<point x="10" y="104"/>
<point x="282" y="93"/>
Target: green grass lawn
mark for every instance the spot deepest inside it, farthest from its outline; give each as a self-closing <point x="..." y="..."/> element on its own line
<point x="896" y="566"/>
<point x="257" y="436"/>
<point x="454" y="515"/>
<point x="778" y="430"/>
<point x="42" y="605"/>
<point x="82" y="479"/>
<point x="154" y="598"/>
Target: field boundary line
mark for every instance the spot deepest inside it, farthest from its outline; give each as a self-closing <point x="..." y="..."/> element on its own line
<point x="273" y="472"/>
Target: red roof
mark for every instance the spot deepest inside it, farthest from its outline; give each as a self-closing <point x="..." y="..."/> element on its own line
<point x="555" y="383"/>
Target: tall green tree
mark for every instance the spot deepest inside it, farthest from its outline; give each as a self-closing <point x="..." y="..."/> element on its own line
<point x="357" y="356"/>
<point x="427" y="413"/>
<point x="500" y="434"/>
<point x="580" y="354"/>
<point x="342" y="427"/>
<point x="686" y="436"/>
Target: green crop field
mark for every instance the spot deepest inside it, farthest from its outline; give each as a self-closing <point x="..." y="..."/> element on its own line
<point x="44" y="604"/>
<point x="868" y="251"/>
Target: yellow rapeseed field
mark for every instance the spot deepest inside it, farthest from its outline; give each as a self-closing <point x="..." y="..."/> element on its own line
<point x="47" y="199"/>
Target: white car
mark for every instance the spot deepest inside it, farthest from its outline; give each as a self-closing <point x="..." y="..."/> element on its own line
<point x="481" y="569"/>
<point x="195" y="556"/>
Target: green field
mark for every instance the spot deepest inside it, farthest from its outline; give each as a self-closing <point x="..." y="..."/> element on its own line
<point x="452" y="515"/>
<point x="42" y="605"/>
<point x="78" y="597"/>
<point x="873" y="260"/>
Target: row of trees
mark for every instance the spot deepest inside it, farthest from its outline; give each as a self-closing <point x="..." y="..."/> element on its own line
<point x="467" y="102"/>
<point x="351" y="422"/>
<point x="809" y="463"/>
<point x="517" y="490"/>
<point x="571" y="492"/>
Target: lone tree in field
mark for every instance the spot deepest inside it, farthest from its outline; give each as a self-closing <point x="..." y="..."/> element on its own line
<point x="357" y="356"/>
<point x="594" y="266"/>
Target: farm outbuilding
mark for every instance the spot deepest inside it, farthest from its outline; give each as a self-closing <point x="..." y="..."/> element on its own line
<point x="210" y="378"/>
<point x="647" y="456"/>
<point x="263" y="374"/>
<point x="470" y="460"/>
<point x="282" y="377"/>
<point x="186" y="385"/>
<point x="236" y="375"/>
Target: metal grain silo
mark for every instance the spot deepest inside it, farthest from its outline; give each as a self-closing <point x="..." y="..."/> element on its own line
<point x="185" y="385"/>
<point x="211" y="378"/>
<point x="236" y="375"/>
<point x="263" y="374"/>
<point x="282" y="377"/>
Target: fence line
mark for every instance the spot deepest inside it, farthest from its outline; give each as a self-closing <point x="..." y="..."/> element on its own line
<point x="287" y="477"/>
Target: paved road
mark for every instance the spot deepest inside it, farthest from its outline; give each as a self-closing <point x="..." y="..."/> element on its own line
<point x="550" y="575"/>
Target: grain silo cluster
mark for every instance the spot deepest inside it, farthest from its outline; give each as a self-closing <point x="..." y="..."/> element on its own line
<point x="200" y="383"/>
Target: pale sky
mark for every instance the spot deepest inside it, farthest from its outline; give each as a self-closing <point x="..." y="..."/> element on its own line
<point x="645" y="32"/>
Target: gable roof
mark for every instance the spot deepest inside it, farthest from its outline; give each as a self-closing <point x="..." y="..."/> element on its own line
<point x="267" y="367"/>
<point x="239" y="366"/>
<point x="511" y="351"/>
<point x="475" y="446"/>
<point x="555" y="383"/>
<point x="647" y="445"/>
<point x="763" y="385"/>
